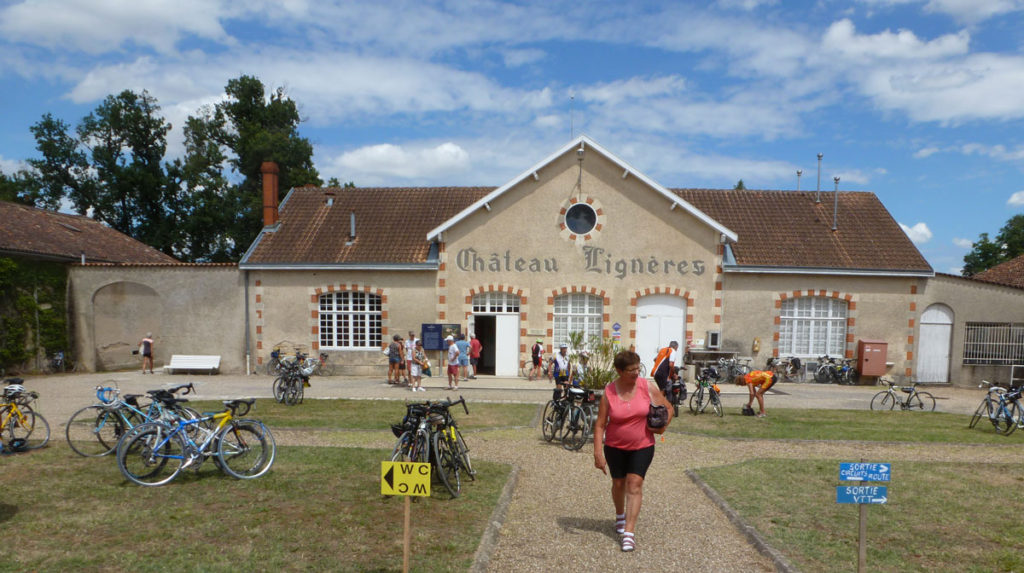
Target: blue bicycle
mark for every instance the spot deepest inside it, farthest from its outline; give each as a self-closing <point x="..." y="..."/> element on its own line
<point x="1002" y="407"/>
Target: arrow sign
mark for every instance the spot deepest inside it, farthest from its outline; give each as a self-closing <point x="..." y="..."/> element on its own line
<point x="405" y="478"/>
<point x="874" y="494"/>
<point x="865" y="472"/>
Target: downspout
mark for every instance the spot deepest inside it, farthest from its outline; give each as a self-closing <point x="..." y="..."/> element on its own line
<point x="248" y="354"/>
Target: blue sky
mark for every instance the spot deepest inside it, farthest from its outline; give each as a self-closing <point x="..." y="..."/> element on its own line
<point x="918" y="101"/>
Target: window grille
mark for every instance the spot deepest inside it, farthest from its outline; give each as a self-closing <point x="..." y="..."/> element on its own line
<point x="994" y="343"/>
<point x="350" y="320"/>
<point x="496" y="302"/>
<point x="577" y="312"/>
<point x="813" y="326"/>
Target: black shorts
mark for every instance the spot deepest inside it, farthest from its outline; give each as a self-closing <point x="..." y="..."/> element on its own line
<point x="663" y="382"/>
<point x="622" y="462"/>
<point x="474" y="361"/>
<point x="536" y="361"/>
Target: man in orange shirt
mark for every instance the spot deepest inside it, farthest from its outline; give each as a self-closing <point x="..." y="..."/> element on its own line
<point x="758" y="382"/>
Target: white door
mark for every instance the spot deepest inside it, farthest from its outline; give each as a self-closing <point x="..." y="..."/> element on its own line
<point x="934" y="348"/>
<point x="506" y="345"/>
<point x="660" y="319"/>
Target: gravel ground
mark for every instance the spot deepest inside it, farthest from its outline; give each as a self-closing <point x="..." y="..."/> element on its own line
<point x="559" y="512"/>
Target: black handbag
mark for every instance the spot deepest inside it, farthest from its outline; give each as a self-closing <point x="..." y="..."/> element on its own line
<point x="657" y="416"/>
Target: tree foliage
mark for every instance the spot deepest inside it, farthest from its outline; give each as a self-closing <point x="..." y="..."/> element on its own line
<point x="986" y="253"/>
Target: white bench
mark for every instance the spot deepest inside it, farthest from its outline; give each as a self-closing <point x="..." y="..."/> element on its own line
<point x="193" y="362"/>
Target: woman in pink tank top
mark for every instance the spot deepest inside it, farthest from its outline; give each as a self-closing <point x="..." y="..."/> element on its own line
<point x="623" y="442"/>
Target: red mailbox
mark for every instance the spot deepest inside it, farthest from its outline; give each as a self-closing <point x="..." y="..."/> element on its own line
<point x="871" y="355"/>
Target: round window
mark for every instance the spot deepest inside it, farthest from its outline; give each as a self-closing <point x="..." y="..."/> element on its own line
<point x="581" y="218"/>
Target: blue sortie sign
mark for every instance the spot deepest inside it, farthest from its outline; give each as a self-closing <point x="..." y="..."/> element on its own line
<point x="864" y="472"/>
<point x="862" y="494"/>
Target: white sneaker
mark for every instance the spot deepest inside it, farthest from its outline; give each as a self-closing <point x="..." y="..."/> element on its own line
<point x="412" y="389"/>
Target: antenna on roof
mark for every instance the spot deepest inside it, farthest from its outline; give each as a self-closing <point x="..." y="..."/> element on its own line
<point x="835" y="208"/>
<point x="817" y="196"/>
<point x="572" y="130"/>
<point x="799" y="172"/>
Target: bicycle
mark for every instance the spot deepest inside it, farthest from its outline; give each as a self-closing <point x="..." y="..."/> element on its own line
<point x="319" y="366"/>
<point x="831" y="371"/>
<point x="1003" y="408"/>
<point x="579" y="421"/>
<point x="706" y="393"/>
<point x="273" y="365"/>
<point x="58" y="363"/>
<point x="155" y="453"/>
<point x="788" y="369"/>
<point x="290" y="386"/>
<point x="19" y="423"/>
<point x="676" y="392"/>
<point x="553" y="418"/>
<point x="429" y="434"/>
<point x="729" y="369"/>
<point x="888" y="399"/>
<point x="95" y="430"/>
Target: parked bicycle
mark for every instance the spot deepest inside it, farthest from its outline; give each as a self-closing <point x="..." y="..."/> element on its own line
<point x="729" y="369"/>
<point x="676" y="393"/>
<point x="555" y="413"/>
<point x="320" y="366"/>
<point x="788" y="369"/>
<point x="20" y="425"/>
<point x="58" y="363"/>
<point x="835" y="370"/>
<point x="429" y="434"/>
<point x="915" y="400"/>
<point x="707" y="392"/>
<point x="1002" y="407"/>
<point x="154" y="453"/>
<point x="290" y="386"/>
<point x="95" y="430"/>
<point x="579" y="420"/>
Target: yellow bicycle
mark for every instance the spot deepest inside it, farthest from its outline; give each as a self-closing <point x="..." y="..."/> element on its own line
<point x="21" y="427"/>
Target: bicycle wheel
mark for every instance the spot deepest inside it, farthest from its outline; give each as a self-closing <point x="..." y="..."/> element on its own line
<point x="278" y="388"/>
<point x="421" y="448"/>
<point x="921" y="402"/>
<point x="31" y="427"/>
<point x="152" y="455"/>
<point x="403" y="448"/>
<point x="94" y="431"/>
<point x="822" y="375"/>
<point x="245" y="449"/>
<point x="1003" y="420"/>
<point x="463" y="452"/>
<point x="716" y="402"/>
<point x="575" y="433"/>
<point x="551" y="421"/>
<point x="293" y="393"/>
<point x="884" y="400"/>
<point x="697" y="399"/>
<point x="446" y="463"/>
<point x="984" y="410"/>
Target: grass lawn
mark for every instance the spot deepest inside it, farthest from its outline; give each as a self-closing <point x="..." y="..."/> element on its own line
<point x="317" y="509"/>
<point x="939" y="517"/>
<point x="373" y="414"/>
<point x="887" y="426"/>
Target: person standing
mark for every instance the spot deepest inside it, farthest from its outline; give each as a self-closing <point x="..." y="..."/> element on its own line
<point x="418" y="363"/>
<point x="664" y="370"/>
<point x="410" y="349"/>
<point x="146" y="347"/>
<point x="624" y="443"/>
<point x="463" y="345"/>
<point x="395" y="352"/>
<point x="475" y="348"/>
<point x="453" y="363"/>
<point x="537" y="356"/>
<point x="561" y="366"/>
<point x="758" y="382"/>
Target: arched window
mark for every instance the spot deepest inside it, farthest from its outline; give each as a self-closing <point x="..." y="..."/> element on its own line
<point x="813" y="326"/>
<point x="577" y="312"/>
<point x="350" y="319"/>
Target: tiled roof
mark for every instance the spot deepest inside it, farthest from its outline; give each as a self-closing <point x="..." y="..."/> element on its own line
<point x="1010" y="273"/>
<point x="788" y="229"/>
<point x="391" y="225"/>
<point x="37" y="233"/>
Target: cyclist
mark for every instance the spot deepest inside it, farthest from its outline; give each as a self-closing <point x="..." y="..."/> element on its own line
<point x="536" y="355"/>
<point x="562" y="366"/>
<point x="664" y="371"/>
<point x="758" y="382"/>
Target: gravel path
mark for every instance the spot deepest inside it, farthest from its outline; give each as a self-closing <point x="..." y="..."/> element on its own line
<point x="559" y="512"/>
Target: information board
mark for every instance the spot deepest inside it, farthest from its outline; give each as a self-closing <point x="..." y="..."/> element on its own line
<point x="862" y="494"/>
<point x="864" y="472"/>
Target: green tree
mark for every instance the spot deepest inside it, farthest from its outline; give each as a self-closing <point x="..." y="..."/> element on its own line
<point x="986" y="253"/>
<point x="20" y="188"/>
<point x="63" y="171"/>
<point x="255" y="128"/>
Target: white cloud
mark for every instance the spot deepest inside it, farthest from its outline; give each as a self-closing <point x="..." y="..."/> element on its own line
<point x="955" y="271"/>
<point x="517" y="58"/>
<point x="925" y="152"/>
<point x="745" y="4"/>
<point x="11" y="166"/>
<point x="384" y="161"/>
<point x="1016" y="200"/>
<point x="999" y="152"/>
<point x="918" y="234"/>
<point x="842" y="39"/>
<point x="962" y="10"/>
<point x="963" y="243"/>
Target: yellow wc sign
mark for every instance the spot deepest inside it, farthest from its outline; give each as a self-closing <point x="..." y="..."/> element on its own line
<point x="404" y="478"/>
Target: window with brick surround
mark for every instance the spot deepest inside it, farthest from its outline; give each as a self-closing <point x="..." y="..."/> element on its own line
<point x="577" y="312"/>
<point x="813" y="326"/>
<point x="496" y="302"/>
<point x="350" y="320"/>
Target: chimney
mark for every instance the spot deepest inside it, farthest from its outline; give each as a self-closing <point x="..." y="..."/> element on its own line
<point x="352" y="225"/>
<point x="269" y="170"/>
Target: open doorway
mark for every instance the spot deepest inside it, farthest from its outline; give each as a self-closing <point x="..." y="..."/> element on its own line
<point x="485" y="333"/>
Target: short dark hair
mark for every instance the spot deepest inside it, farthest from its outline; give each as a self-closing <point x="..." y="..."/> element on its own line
<point x="625" y="359"/>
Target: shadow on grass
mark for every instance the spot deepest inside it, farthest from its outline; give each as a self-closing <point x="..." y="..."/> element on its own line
<point x="7" y="512"/>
